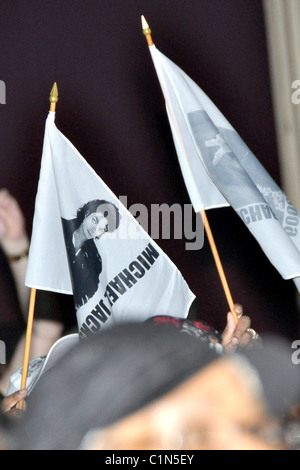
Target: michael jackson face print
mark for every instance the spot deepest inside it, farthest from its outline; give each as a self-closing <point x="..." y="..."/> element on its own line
<point x="92" y="221"/>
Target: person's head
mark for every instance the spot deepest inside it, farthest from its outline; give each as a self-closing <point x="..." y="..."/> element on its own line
<point x="96" y="218"/>
<point x="214" y="409"/>
<point x="104" y="379"/>
<point x="149" y="381"/>
<point x="235" y="402"/>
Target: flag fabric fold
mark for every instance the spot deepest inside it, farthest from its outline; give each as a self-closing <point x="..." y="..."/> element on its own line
<point x="85" y="243"/>
<point x="219" y="169"/>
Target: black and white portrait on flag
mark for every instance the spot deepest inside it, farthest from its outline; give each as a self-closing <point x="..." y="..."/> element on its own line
<point x="92" y="221"/>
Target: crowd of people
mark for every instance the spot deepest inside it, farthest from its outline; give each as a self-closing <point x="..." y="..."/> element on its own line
<point x="165" y="384"/>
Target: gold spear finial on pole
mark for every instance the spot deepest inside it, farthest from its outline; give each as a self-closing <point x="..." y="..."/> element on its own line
<point x="53" y="97"/>
<point x="147" y="31"/>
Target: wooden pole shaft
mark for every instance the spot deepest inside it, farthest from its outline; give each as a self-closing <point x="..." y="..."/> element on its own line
<point x="218" y="264"/>
<point x="27" y="343"/>
<point x="149" y="39"/>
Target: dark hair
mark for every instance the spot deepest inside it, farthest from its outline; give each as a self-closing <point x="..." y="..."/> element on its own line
<point x="108" y="210"/>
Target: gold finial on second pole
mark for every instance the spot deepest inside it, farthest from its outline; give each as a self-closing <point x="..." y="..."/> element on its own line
<point x="147" y="31"/>
<point x="53" y="97"/>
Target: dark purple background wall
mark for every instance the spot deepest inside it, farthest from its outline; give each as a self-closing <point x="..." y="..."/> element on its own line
<point x="111" y="108"/>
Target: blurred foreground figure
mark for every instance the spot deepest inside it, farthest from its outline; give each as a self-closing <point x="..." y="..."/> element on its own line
<point x="145" y="386"/>
<point x="218" y="408"/>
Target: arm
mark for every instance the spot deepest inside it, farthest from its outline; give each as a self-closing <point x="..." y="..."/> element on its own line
<point x="14" y="242"/>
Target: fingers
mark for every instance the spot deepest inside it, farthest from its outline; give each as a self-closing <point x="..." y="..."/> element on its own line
<point x="240" y="333"/>
<point x="12" y="222"/>
<point x="237" y="334"/>
<point x="4" y="196"/>
<point x="229" y="330"/>
<point x="238" y="308"/>
<point x="6" y="200"/>
<point x="2" y="228"/>
<point x="10" y="402"/>
<point x="3" y="211"/>
<point x="231" y="325"/>
<point x="8" y="203"/>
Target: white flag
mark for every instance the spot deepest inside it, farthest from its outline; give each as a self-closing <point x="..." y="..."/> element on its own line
<point x="85" y="243"/>
<point x="210" y="149"/>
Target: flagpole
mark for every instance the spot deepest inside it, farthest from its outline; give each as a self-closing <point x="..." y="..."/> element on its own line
<point x="147" y="32"/>
<point x="53" y="100"/>
<point x="218" y="263"/>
